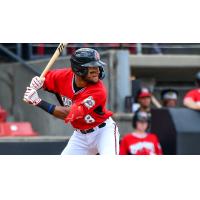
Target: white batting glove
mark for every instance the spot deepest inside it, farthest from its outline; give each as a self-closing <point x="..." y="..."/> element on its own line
<point x="31" y="96"/>
<point x="37" y="82"/>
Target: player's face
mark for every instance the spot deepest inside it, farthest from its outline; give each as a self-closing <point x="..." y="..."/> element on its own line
<point x="93" y="75"/>
<point x="170" y="103"/>
<point x="141" y="126"/>
<point x="145" y="101"/>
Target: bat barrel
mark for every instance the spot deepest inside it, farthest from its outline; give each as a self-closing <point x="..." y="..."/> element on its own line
<point x="53" y="59"/>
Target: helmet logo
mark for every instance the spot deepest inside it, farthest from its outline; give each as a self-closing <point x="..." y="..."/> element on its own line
<point x="97" y="56"/>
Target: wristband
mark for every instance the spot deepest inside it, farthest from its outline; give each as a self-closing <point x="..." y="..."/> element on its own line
<point x="47" y="106"/>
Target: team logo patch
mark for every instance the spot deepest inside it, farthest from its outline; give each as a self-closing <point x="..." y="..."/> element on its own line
<point x="66" y="101"/>
<point x="89" y="102"/>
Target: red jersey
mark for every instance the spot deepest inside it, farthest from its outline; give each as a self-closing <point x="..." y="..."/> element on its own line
<point x="134" y="144"/>
<point x="88" y="105"/>
<point x="193" y="94"/>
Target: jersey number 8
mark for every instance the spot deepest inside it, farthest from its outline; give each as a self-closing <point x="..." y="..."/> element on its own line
<point x="89" y="119"/>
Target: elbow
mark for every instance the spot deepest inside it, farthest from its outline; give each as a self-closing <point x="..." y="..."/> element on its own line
<point x="61" y="112"/>
<point x="63" y="115"/>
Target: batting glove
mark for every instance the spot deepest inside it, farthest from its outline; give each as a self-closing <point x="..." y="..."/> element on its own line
<point x="37" y="82"/>
<point x="31" y="96"/>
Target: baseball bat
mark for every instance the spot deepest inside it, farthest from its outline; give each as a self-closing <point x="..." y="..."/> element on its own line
<point x="156" y="102"/>
<point x="53" y="58"/>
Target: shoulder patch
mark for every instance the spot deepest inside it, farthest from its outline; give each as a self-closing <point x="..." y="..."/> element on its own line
<point x="89" y="102"/>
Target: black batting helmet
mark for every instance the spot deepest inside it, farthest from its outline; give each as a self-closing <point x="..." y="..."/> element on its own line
<point x="141" y="116"/>
<point x="84" y="58"/>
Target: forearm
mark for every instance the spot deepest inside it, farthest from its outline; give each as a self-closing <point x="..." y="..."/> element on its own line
<point x="60" y="112"/>
<point x="31" y="97"/>
<point x="191" y="104"/>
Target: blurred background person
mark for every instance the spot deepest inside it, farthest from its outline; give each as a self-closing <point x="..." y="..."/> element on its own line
<point x="192" y="98"/>
<point x="140" y="142"/>
<point x="143" y="99"/>
<point x="169" y="98"/>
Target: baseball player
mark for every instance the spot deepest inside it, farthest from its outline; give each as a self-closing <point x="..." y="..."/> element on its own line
<point x="84" y="98"/>
<point x="169" y="98"/>
<point x="143" y="99"/>
<point x="140" y="142"/>
<point x="192" y="98"/>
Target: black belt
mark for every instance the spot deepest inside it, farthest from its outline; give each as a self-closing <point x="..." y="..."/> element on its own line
<point x="91" y="130"/>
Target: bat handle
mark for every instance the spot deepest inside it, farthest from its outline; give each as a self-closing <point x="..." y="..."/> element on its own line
<point x="156" y="102"/>
<point x="43" y="74"/>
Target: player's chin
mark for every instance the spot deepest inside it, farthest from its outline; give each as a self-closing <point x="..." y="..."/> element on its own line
<point x="96" y="79"/>
<point x="93" y="80"/>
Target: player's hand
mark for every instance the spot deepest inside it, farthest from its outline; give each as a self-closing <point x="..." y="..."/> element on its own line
<point x="37" y="82"/>
<point x="31" y="96"/>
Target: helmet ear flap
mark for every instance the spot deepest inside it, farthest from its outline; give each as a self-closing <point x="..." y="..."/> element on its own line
<point x="102" y="73"/>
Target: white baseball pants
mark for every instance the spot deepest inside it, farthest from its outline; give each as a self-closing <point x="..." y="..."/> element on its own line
<point x="104" y="141"/>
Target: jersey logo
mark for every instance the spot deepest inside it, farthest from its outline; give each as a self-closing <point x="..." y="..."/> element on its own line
<point x="89" y="102"/>
<point x="66" y="101"/>
<point x="142" y="148"/>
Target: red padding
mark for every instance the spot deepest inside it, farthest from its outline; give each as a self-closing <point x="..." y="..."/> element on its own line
<point x="16" y="129"/>
<point x="3" y="115"/>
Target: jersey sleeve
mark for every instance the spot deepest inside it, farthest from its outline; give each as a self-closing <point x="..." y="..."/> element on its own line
<point x="51" y="80"/>
<point x="190" y="94"/>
